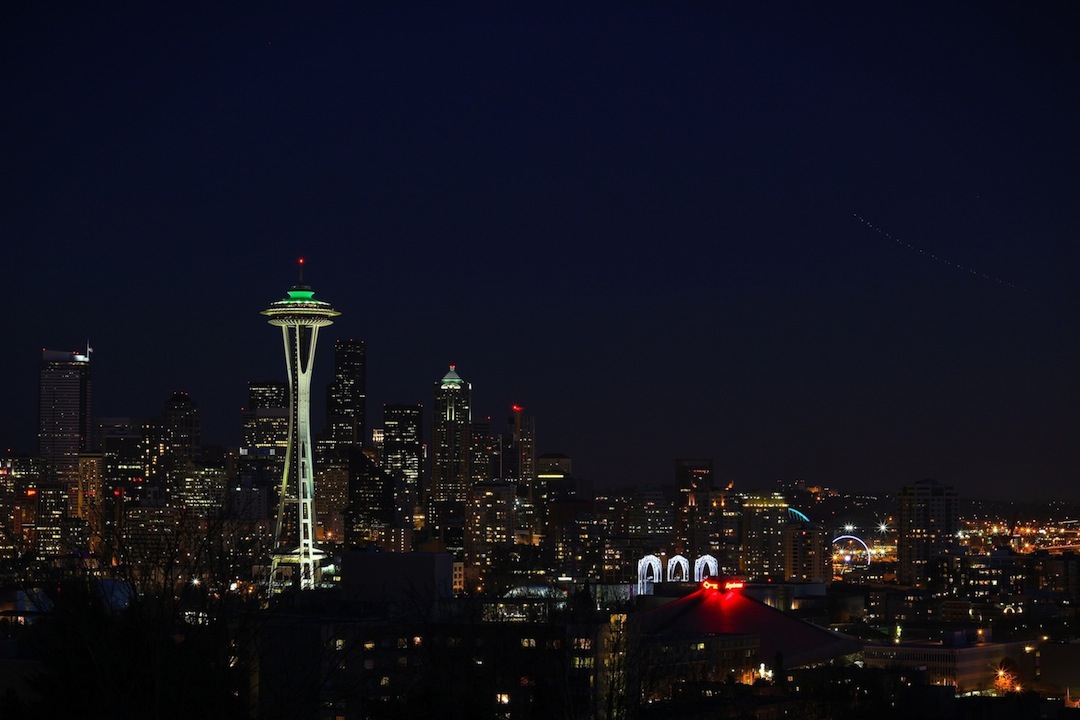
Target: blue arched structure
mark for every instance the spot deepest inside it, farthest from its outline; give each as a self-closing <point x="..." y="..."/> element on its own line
<point x="796" y="515"/>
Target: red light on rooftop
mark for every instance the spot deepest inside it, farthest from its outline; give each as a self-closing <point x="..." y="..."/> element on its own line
<point x="734" y="585"/>
<point x="516" y="408"/>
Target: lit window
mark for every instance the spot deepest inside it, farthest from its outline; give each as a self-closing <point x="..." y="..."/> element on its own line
<point x="502" y="698"/>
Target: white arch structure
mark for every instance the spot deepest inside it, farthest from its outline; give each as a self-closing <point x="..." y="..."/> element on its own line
<point x="676" y="563"/>
<point x="858" y="540"/>
<point x="649" y="562"/>
<point x="650" y="570"/>
<point x="703" y="563"/>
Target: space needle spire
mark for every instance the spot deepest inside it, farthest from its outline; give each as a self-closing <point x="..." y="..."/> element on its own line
<point x="299" y="315"/>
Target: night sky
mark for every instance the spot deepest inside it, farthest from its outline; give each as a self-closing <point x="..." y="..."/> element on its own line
<point x="833" y="244"/>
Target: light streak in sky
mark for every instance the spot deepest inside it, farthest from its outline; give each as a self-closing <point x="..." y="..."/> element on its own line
<point x="935" y="257"/>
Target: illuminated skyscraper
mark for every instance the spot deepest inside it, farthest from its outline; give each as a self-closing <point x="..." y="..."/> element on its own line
<point x="926" y="527"/>
<point x="346" y="396"/>
<point x="299" y="316"/>
<point x="451" y="440"/>
<point x="694" y="482"/>
<point x="765" y="516"/>
<point x="64" y="417"/>
<point x="266" y="417"/>
<point x="265" y="439"/>
<point x="523" y="428"/>
<point x="172" y="443"/>
<point x="402" y="457"/>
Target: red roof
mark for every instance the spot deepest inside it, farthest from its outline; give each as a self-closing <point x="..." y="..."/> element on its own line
<point x="711" y="612"/>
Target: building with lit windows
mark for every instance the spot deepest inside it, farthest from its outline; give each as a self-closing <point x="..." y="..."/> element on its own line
<point x="266" y="417"/>
<point x="693" y="483"/>
<point x="764" y="518"/>
<point x="64" y="416"/>
<point x="346" y="396"/>
<point x="966" y="666"/>
<point x="806" y="553"/>
<point x="172" y="444"/>
<point x="370" y="512"/>
<point x="489" y="526"/>
<point x="486" y="449"/>
<point x="523" y="445"/>
<point x="451" y="456"/>
<point x="927" y="523"/>
<point x="402" y="457"/>
<point x="264" y="441"/>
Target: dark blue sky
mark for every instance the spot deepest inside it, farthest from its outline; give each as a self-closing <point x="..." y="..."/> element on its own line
<point x="638" y="220"/>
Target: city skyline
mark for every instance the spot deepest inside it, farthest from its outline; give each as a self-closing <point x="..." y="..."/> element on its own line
<point x="813" y="243"/>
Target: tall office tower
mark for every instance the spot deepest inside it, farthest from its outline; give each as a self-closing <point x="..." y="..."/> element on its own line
<point x="91" y="508"/>
<point x="555" y="490"/>
<point x="331" y="499"/>
<point x="266" y="417"/>
<point x="451" y="443"/>
<point x="64" y="417"/>
<point x="486" y="463"/>
<point x="531" y="503"/>
<point x="402" y="457"/>
<point x="725" y="537"/>
<point x="523" y="429"/>
<point x="264" y="441"/>
<point x="121" y="442"/>
<point x="927" y="522"/>
<point x="346" y="396"/>
<point x="764" y="518"/>
<point x="371" y="503"/>
<point x="693" y="482"/>
<point x="299" y="316"/>
<point x="806" y="556"/>
<point x="489" y="526"/>
<point x="51" y="520"/>
<point x="173" y="443"/>
<point x="180" y="418"/>
<point x="202" y="491"/>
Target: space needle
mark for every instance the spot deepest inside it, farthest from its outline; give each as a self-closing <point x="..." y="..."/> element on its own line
<point x="299" y="316"/>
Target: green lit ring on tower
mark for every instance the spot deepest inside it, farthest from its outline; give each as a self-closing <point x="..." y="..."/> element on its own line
<point x="300" y="308"/>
